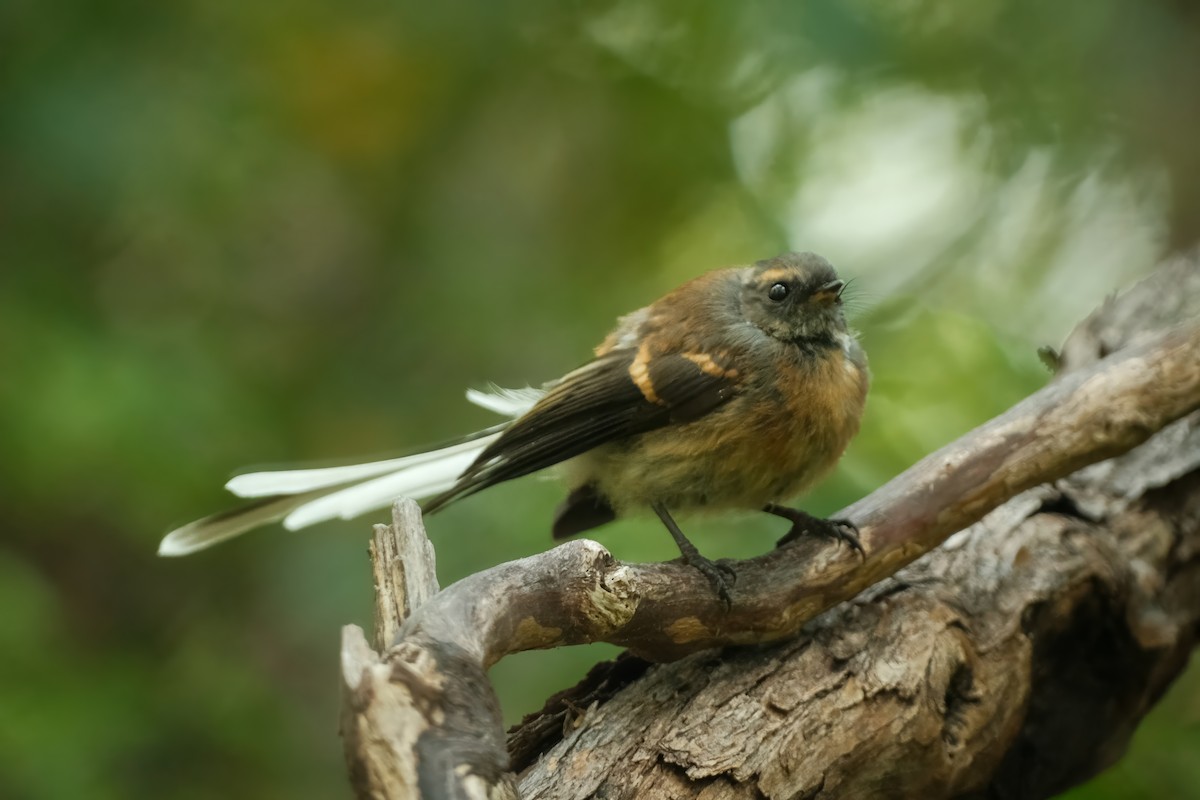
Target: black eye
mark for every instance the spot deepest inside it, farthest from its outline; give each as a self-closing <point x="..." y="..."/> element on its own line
<point x="778" y="292"/>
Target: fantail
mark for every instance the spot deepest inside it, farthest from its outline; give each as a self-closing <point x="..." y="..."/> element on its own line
<point x="737" y="390"/>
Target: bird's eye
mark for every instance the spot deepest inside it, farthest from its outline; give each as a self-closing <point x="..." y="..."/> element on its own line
<point x="778" y="292"/>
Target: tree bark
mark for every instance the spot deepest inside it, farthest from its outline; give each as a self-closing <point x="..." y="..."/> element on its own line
<point x="1013" y="661"/>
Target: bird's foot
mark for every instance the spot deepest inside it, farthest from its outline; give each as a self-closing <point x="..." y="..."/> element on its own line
<point x="721" y="576"/>
<point x="803" y="523"/>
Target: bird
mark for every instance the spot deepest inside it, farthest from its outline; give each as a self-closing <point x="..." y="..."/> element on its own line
<point x="735" y="391"/>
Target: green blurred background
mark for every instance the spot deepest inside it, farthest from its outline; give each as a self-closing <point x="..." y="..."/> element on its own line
<point x="242" y="233"/>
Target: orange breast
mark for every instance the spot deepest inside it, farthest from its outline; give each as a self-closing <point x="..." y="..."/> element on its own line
<point x="824" y="409"/>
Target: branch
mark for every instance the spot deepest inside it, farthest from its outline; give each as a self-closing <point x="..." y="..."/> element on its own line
<point x="578" y="593"/>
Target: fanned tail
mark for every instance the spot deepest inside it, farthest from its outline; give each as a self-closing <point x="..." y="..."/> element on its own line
<point x="303" y="497"/>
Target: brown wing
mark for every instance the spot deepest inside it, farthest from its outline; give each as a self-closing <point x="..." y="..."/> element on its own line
<point x="620" y="394"/>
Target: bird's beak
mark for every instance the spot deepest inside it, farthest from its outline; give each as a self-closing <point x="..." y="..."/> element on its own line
<point x="829" y="292"/>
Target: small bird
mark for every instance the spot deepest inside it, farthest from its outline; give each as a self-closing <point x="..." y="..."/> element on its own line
<point x="737" y="390"/>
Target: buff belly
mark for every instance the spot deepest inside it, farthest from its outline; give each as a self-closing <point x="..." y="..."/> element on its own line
<point x="731" y="459"/>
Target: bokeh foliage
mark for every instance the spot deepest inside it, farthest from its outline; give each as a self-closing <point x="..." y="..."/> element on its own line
<point x="246" y="232"/>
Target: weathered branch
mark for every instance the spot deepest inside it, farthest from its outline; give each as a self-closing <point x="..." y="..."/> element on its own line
<point x="399" y="713"/>
<point x="578" y="593"/>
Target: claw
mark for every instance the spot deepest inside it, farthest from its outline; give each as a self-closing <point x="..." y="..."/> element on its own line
<point x="721" y="576"/>
<point x="846" y="531"/>
<point x="842" y="530"/>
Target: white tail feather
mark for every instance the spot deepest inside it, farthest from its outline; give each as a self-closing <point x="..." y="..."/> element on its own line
<point x="303" y="497"/>
<point x="506" y="402"/>
<point x="295" y="481"/>
<point x="421" y="480"/>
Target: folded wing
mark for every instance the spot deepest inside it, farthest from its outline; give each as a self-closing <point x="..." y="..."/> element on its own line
<point x="620" y="394"/>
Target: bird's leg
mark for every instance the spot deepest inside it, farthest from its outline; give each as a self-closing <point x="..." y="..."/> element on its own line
<point x="721" y="576"/>
<point x="802" y="522"/>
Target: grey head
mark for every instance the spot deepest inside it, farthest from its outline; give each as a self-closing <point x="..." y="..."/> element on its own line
<point x="795" y="297"/>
